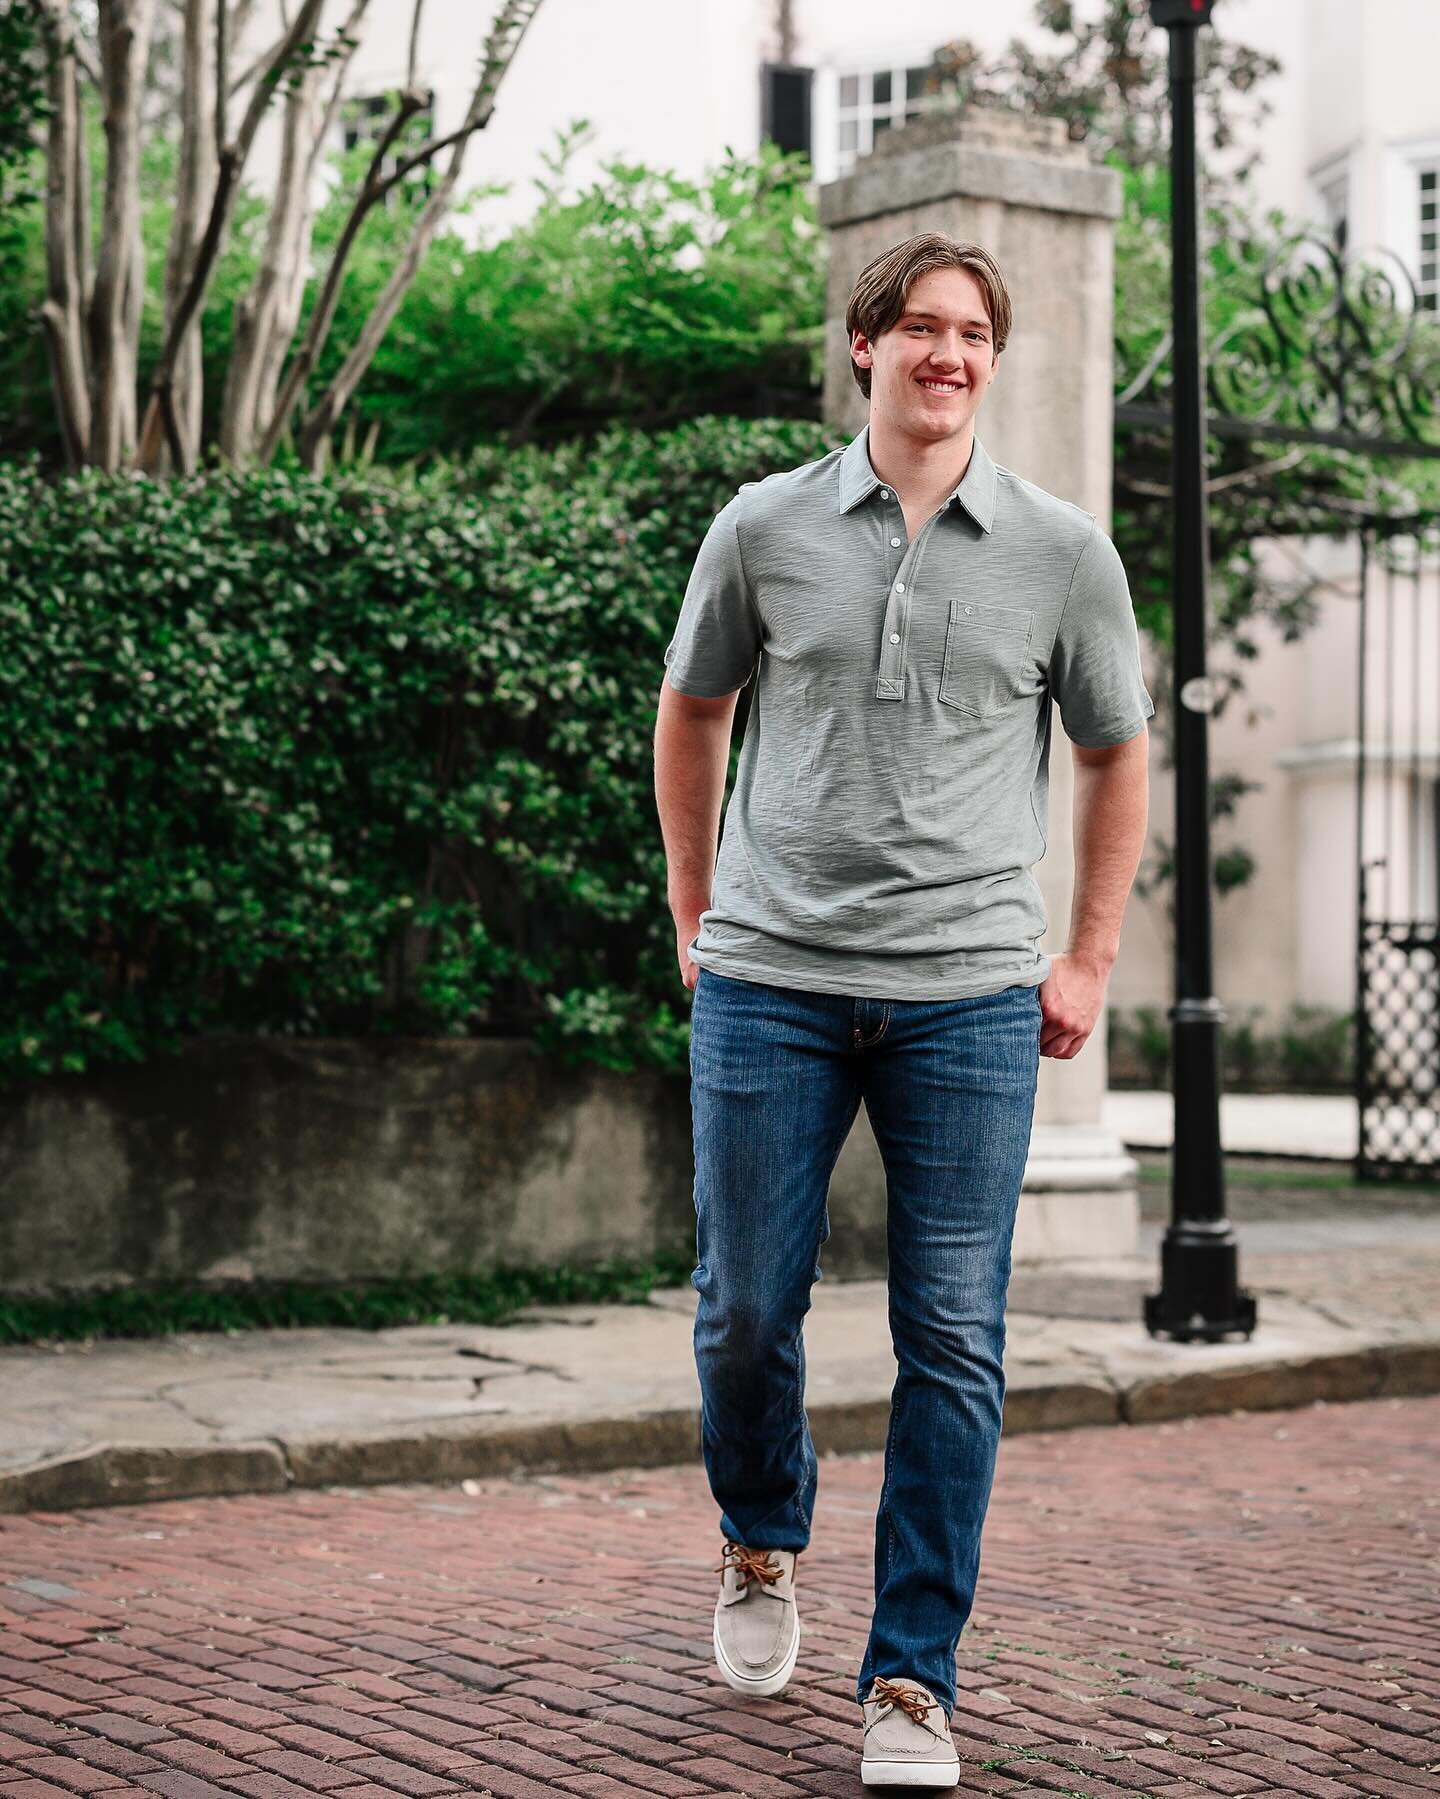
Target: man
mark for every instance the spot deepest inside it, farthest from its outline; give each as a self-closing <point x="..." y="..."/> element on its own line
<point x="870" y="933"/>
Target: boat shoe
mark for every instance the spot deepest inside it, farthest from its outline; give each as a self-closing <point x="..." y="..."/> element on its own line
<point x="757" y="1629"/>
<point x="907" y="1738"/>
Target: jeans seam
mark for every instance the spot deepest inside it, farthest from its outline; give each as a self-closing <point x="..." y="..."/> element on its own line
<point x="885" y="1489"/>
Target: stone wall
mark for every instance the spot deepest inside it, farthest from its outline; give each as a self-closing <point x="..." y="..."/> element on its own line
<point x="278" y="1159"/>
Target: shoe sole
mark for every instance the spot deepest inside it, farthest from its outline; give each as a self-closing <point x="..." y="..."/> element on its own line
<point x="761" y="1686"/>
<point x="909" y="1774"/>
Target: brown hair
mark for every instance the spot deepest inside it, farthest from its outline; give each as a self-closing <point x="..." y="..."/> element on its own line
<point x="878" y="296"/>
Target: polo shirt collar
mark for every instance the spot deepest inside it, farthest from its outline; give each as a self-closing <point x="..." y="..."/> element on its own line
<point x="976" y="492"/>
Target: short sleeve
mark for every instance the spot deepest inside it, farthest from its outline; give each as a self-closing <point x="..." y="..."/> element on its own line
<point x="718" y="635"/>
<point x="1095" y="674"/>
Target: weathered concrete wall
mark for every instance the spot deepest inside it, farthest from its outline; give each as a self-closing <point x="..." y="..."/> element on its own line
<point x="275" y="1159"/>
<point x="326" y="1160"/>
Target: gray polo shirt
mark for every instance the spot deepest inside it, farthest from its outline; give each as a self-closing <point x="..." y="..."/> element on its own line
<point x="891" y="793"/>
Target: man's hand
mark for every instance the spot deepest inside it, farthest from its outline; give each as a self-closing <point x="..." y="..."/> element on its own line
<point x="1070" y="1000"/>
<point x="686" y="931"/>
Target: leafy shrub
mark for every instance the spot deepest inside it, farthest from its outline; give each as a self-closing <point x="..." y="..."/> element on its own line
<point x="366" y="754"/>
<point x="1317" y="1049"/>
<point x="1311" y="1050"/>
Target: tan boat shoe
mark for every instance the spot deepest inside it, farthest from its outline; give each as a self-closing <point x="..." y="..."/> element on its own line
<point x="757" y="1629"/>
<point x="907" y="1738"/>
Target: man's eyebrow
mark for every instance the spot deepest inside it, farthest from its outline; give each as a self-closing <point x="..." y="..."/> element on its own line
<point x="912" y="312"/>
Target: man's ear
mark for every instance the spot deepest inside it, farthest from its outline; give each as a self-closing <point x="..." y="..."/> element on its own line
<point x="861" y="351"/>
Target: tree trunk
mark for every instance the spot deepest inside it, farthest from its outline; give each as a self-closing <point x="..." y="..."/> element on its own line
<point x="114" y="311"/>
<point x="161" y="424"/>
<point x="194" y="185"/>
<point x="264" y="312"/>
<point x="62" y="313"/>
<point x="258" y="313"/>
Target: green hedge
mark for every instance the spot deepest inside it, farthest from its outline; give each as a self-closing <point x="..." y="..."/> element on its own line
<point x="368" y="755"/>
<point x="1310" y="1050"/>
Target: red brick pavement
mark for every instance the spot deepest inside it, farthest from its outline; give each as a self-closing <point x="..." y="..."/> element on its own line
<point x="1236" y="1605"/>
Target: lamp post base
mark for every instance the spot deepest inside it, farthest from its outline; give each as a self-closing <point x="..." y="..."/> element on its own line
<point x="1199" y="1296"/>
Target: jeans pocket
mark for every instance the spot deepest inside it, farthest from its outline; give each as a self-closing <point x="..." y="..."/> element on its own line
<point x="985" y="650"/>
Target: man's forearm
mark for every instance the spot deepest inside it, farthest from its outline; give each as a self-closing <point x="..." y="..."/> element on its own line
<point x="1112" y="793"/>
<point x="692" y="754"/>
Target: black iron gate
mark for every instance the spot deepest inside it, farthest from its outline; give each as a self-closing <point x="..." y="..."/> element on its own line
<point x="1329" y="351"/>
<point x="1397" y="809"/>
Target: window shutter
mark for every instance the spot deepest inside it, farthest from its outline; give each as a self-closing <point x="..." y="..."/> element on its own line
<point x="785" y="106"/>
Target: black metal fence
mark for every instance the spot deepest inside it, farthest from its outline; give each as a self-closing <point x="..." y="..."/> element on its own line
<point x="1397" y="804"/>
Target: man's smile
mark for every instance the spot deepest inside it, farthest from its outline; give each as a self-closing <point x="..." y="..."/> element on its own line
<point x="940" y="387"/>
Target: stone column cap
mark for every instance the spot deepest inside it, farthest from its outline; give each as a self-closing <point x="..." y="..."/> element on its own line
<point x="1015" y="161"/>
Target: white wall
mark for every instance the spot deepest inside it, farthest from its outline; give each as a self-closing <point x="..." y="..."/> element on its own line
<point x="666" y="82"/>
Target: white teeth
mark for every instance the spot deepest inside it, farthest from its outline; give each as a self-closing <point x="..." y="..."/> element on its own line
<point x="942" y="387"/>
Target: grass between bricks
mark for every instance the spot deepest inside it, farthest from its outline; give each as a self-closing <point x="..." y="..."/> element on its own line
<point x="489" y="1298"/>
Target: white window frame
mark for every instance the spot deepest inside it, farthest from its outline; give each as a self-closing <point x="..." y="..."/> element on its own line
<point x="1404" y="163"/>
<point x="830" y="111"/>
<point x="1427" y="233"/>
<point x="1337" y="174"/>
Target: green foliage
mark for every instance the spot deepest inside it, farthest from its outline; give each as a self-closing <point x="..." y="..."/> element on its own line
<point x="1107" y="77"/>
<point x="1311" y="1049"/>
<point x="23" y="108"/>
<point x="364" y="755"/>
<point x="1232" y="864"/>
<point x="489" y="1298"/>
<point x="641" y="298"/>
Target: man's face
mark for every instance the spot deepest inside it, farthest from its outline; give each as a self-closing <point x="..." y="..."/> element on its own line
<point x="930" y="370"/>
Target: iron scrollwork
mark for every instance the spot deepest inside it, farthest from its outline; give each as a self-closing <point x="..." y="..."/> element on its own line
<point x="1314" y="347"/>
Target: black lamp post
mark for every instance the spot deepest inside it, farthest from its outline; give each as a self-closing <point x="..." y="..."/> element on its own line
<point x="1199" y="1295"/>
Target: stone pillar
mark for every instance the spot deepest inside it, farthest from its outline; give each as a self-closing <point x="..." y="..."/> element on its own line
<point x="1046" y="213"/>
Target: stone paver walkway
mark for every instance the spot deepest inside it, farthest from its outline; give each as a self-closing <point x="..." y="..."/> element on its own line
<point x="1243" y="1605"/>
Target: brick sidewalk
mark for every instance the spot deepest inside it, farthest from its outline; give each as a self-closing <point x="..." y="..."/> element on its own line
<point x="1233" y="1605"/>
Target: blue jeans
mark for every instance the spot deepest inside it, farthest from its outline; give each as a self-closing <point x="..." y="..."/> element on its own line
<point x="777" y="1077"/>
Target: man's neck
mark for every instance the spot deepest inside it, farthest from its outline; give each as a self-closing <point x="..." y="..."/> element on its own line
<point x="918" y="467"/>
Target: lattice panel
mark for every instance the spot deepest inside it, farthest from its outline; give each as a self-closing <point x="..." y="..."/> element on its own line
<point x="1400" y="1051"/>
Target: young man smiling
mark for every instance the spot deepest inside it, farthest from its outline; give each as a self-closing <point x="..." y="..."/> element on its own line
<point x="870" y="934"/>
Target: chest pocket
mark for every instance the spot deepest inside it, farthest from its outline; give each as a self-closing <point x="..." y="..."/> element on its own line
<point x="985" y="650"/>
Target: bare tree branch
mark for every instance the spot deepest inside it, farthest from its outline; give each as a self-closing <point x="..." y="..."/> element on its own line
<point x="231" y="162"/>
<point x="124" y="38"/>
<point x="266" y="316"/>
<point x="240" y="19"/>
<point x="222" y="72"/>
<point x="506" y="34"/>
<point x="426" y="153"/>
<point x="323" y="316"/>
<point x="86" y="59"/>
<point x="414" y="46"/>
<point x="62" y="311"/>
<point x="261" y="62"/>
<point x="195" y="181"/>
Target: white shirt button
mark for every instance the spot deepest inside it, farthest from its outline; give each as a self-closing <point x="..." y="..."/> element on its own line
<point x="968" y="611"/>
<point x="884" y="493"/>
<point x="899" y="587"/>
<point x="894" y="543"/>
<point x="894" y="637"/>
